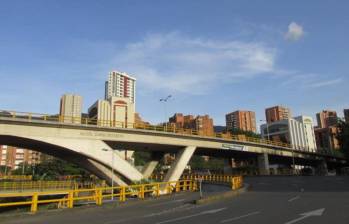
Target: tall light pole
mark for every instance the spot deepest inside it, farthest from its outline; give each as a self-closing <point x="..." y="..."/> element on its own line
<point x="164" y="100"/>
<point x="112" y="172"/>
<point x="266" y="122"/>
<point x="294" y="165"/>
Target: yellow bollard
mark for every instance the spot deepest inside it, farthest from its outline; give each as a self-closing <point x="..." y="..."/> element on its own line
<point x="122" y="194"/>
<point x="177" y="187"/>
<point x="157" y="190"/>
<point x="70" y="199"/>
<point x="142" y="192"/>
<point x="98" y="196"/>
<point x="34" y="205"/>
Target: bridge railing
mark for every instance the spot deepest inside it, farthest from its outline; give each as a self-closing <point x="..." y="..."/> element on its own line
<point x="235" y="182"/>
<point x="16" y="177"/>
<point x="67" y="198"/>
<point x="22" y="186"/>
<point x="118" y="124"/>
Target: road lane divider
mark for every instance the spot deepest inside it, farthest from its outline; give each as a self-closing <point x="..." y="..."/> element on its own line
<point x="294" y="198"/>
<point x="207" y="212"/>
<point x="241" y="217"/>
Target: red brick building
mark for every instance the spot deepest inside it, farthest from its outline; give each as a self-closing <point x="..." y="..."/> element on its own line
<point x="243" y="120"/>
<point x="203" y="125"/>
<point x="12" y="157"/>
<point x="277" y="113"/>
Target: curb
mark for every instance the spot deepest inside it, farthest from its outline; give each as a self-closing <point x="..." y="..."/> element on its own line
<point x="222" y="196"/>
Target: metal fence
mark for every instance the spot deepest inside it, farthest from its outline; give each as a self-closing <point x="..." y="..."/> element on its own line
<point x="67" y="198"/>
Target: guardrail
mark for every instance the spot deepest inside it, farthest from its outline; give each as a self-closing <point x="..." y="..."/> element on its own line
<point x="67" y="198"/>
<point x="16" y="177"/>
<point x="46" y="185"/>
<point x="117" y="124"/>
<point x="236" y="182"/>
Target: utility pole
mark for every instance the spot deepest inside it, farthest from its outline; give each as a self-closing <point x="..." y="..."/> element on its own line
<point x="164" y="100"/>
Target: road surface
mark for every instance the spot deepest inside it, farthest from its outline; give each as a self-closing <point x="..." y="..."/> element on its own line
<point x="280" y="200"/>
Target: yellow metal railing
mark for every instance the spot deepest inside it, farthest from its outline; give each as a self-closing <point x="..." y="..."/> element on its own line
<point x="46" y="185"/>
<point x="235" y="181"/>
<point x="117" y="124"/>
<point x="67" y="198"/>
<point x="16" y="177"/>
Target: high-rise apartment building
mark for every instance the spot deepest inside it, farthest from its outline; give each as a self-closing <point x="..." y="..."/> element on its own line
<point x="346" y="115"/>
<point x="326" y="138"/>
<point x="120" y="84"/>
<point x="70" y="108"/>
<point x="326" y="118"/>
<point x="11" y="157"/>
<point x="243" y="120"/>
<point x="277" y="113"/>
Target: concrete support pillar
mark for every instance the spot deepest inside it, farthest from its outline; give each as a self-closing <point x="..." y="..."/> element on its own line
<point x="151" y="165"/>
<point x="108" y="176"/>
<point x="263" y="164"/>
<point x="322" y="169"/>
<point x="178" y="166"/>
<point x="100" y="152"/>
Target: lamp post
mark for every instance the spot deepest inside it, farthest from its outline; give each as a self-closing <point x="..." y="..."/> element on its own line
<point x="112" y="172"/>
<point x="266" y="122"/>
<point x="164" y="100"/>
<point x="294" y="165"/>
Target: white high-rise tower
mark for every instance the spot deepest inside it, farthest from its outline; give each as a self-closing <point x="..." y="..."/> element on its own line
<point x="120" y="84"/>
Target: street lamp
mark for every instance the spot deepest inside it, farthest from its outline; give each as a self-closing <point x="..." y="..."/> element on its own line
<point x="164" y="100"/>
<point x="267" y="128"/>
<point x="112" y="172"/>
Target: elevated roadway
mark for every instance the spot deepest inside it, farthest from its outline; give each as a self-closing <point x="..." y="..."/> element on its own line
<point x="98" y="148"/>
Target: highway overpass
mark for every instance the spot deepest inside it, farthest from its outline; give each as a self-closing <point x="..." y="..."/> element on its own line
<point x="92" y="147"/>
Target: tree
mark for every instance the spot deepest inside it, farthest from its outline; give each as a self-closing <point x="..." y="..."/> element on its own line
<point x="141" y="158"/>
<point x="343" y="137"/>
<point x="237" y="131"/>
<point x="51" y="170"/>
<point x="4" y="169"/>
<point x="213" y="164"/>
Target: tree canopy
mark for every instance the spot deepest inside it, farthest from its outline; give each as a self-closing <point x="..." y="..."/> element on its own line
<point x="237" y="131"/>
<point x="50" y="170"/>
<point x="343" y="137"/>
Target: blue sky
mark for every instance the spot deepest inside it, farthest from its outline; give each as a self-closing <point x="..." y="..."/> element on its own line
<point x="214" y="57"/>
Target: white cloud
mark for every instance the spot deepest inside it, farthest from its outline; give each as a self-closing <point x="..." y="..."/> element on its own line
<point x="309" y="80"/>
<point x="325" y="83"/>
<point x="295" y="32"/>
<point x="175" y="62"/>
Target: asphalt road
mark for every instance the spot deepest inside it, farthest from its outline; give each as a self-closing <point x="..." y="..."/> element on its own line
<point x="280" y="200"/>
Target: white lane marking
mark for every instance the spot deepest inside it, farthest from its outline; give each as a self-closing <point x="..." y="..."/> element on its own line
<point x="167" y="202"/>
<point x="305" y="215"/>
<point x="184" y="207"/>
<point x="292" y="199"/>
<point x="181" y="207"/>
<point x="213" y="211"/>
<point x="240" y="217"/>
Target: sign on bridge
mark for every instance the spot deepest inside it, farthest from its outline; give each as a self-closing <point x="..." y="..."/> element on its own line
<point x="235" y="147"/>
